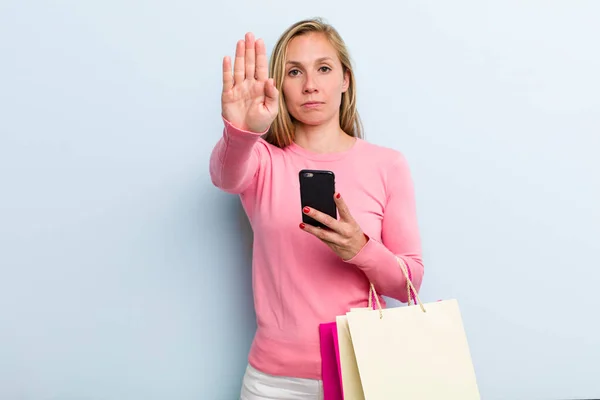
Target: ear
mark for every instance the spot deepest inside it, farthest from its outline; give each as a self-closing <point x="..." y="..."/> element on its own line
<point x="346" y="82"/>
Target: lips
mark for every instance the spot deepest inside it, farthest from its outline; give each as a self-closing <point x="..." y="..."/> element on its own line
<point x="312" y="103"/>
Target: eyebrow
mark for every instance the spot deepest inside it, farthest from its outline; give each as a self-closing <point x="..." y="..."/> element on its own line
<point x="319" y="60"/>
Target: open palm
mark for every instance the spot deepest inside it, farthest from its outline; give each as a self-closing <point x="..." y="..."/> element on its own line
<point x="249" y="100"/>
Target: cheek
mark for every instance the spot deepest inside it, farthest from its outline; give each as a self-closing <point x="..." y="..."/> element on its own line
<point x="333" y="86"/>
<point x="334" y="89"/>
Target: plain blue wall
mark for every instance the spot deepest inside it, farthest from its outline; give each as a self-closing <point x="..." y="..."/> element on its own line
<point x="124" y="274"/>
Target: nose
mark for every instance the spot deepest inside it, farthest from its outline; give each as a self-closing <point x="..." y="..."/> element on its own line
<point x="309" y="84"/>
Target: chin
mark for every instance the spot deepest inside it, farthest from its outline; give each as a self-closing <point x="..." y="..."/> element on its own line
<point x="312" y="119"/>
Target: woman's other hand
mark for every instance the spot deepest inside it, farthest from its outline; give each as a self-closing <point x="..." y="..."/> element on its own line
<point x="343" y="236"/>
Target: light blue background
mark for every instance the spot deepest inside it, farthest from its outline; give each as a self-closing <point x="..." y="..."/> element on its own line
<point x="124" y="274"/>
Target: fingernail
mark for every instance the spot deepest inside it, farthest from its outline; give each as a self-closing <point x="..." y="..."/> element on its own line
<point x="302" y="225"/>
<point x="306" y="210"/>
<point x="337" y="196"/>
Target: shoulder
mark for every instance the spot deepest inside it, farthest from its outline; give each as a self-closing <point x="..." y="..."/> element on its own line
<point x="391" y="167"/>
<point x="387" y="158"/>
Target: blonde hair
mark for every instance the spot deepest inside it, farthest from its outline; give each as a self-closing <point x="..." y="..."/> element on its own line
<point x="281" y="132"/>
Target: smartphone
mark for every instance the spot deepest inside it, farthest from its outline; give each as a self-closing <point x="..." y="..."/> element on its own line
<point x="317" y="188"/>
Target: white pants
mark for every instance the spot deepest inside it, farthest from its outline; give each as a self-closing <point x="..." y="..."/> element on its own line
<point x="257" y="385"/>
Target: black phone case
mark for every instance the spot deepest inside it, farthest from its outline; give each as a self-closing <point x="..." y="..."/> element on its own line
<point x="317" y="188"/>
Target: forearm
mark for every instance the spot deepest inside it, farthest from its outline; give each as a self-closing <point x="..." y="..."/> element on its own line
<point x="234" y="160"/>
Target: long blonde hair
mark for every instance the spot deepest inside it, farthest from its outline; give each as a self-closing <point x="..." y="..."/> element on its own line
<point x="281" y="132"/>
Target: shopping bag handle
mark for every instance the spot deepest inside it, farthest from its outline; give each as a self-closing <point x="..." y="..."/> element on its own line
<point x="409" y="286"/>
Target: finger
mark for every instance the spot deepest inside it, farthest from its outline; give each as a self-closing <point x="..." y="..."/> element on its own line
<point x="325" y="235"/>
<point x="227" y="76"/>
<point x="250" y="56"/>
<point x="323" y="218"/>
<point x="271" y="95"/>
<point x="262" y="71"/>
<point x="343" y="208"/>
<point x="238" y="64"/>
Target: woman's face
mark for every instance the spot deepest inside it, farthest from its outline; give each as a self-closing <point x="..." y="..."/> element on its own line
<point x="314" y="79"/>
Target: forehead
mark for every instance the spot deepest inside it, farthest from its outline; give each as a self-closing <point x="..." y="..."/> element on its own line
<point x="309" y="47"/>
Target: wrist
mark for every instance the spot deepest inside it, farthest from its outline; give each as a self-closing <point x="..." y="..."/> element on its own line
<point x="361" y="242"/>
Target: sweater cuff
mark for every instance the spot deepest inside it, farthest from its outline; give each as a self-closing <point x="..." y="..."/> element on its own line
<point x="371" y="255"/>
<point x="232" y="130"/>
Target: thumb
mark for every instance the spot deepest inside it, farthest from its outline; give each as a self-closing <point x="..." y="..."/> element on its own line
<point x="271" y="94"/>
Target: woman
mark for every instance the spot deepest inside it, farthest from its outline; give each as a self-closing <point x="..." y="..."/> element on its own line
<point x="305" y="117"/>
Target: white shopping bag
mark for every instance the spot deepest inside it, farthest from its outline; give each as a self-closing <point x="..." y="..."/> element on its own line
<point x="415" y="352"/>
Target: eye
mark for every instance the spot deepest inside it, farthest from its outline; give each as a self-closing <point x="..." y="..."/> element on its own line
<point x="324" y="69"/>
<point x="293" y="72"/>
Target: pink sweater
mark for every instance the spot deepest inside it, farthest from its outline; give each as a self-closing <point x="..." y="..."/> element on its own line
<point x="298" y="281"/>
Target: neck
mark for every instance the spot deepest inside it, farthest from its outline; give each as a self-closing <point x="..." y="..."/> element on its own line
<point x="327" y="138"/>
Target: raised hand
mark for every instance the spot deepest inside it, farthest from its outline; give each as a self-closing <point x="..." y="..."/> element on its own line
<point x="249" y="100"/>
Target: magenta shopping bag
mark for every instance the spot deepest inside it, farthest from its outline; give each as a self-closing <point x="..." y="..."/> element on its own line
<point x="330" y="362"/>
<point x="333" y="388"/>
<point x="330" y="359"/>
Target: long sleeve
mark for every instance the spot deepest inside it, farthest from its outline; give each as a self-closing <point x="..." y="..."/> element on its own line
<point x="400" y="238"/>
<point x="235" y="159"/>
